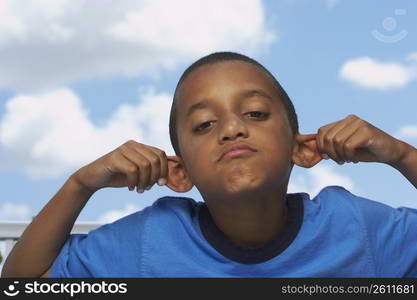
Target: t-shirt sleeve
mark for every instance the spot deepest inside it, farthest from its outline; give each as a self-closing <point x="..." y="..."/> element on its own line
<point x="392" y="237"/>
<point x="112" y="250"/>
<point x="85" y="255"/>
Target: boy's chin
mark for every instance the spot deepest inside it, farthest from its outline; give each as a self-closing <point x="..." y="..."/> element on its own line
<point x="242" y="184"/>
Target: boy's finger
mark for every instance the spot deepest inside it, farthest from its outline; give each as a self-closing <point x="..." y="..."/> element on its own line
<point x="149" y="165"/>
<point x="357" y="145"/>
<point x="163" y="174"/>
<point x="320" y="138"/>
<point x="133" y="150"/>
<point x="127" y="168"/>
<point x="333" y="138"/>
<point x="301" y="138"/>
<point x="138" y="160"/>
<point x="145" y="168"/>
<point x="155" y="165"/>
<point x="158" y="160"/>
<point x="341" y="137"/>
<point x="328" y="140"/>
<point x="351" y="144"/>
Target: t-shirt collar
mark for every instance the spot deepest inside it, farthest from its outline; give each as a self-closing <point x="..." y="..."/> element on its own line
<point x="254" y="255"/>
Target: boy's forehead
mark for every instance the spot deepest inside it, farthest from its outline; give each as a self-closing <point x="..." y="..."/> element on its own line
<point x="223" y="76"/>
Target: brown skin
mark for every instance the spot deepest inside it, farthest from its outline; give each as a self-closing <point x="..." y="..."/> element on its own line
<point x="245" y="195"/>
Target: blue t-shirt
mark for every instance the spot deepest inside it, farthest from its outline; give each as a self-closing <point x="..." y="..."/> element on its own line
<point x="335" y="234"/>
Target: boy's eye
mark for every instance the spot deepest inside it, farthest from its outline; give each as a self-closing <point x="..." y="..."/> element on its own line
<point x="202" y="126"/>
<point x="257" y="114"/>
<point x="252" y="114"/>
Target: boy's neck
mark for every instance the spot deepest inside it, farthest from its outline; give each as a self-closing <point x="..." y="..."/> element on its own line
<point x="250" y="220"/>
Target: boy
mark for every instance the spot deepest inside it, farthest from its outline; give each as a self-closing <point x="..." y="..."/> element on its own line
<point x="235" y="134"/>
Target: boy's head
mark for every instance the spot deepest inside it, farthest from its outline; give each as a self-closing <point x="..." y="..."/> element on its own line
<point x="224" y="99"/>
<point x="218" y="57"/>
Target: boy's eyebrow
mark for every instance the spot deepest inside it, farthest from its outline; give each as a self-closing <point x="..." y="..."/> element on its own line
<point x="199" y="105"/>
<point x="255" y="92"/>
<point x="245" y="94"/>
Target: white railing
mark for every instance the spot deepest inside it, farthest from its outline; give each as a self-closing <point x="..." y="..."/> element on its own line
<point x="11" y="231"/>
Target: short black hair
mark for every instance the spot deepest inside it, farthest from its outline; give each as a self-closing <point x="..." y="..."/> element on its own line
<point x="221" y="57"/>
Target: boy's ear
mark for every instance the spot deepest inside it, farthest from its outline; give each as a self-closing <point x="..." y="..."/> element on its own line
<point x="178" y="179"/>
<point x="305" y="153"/>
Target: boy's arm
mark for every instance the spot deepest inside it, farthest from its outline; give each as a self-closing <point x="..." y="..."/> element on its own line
<point x="407" y="163"/>
<point x="43" y="239"/>
<point x="355" y="140"/>
<point x="132" y="165"/>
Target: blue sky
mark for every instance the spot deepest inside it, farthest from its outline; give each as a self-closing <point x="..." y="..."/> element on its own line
<point x="78" y="79"/>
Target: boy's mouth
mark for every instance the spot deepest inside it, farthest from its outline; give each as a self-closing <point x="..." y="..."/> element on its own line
<point x="236" y="150"/>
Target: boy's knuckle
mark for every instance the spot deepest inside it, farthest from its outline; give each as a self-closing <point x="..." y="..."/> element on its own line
<point x="131" y="169"/>
<point x="145" y="164"/>
<point x="347" y="146"/>
<point x="338" y="140"/>
<point x="113" y="157"/>
<point x="362" y="123"/>
<point x="365" y="129"/>
<point x="154" y="160"/>
<point x="129" y="143"/>
<point x="123" y="148"/>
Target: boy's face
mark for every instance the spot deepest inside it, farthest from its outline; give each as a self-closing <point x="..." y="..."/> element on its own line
<point x="240" y="104"/>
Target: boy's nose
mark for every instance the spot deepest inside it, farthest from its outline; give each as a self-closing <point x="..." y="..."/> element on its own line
<point x="232" y="129"/>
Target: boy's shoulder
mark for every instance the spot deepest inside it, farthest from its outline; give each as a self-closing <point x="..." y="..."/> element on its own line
<point x="165" y="212"/>
<point x="335" y="197"/>
<point x="161" y="208"/>
<point x="338" y="201"/>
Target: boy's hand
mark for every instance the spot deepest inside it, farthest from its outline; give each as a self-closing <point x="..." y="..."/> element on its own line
<point x="355" y="140"/>
<point x="132" y="165"/>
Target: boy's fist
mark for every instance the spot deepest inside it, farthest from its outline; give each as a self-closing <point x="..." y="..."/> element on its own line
<point x="353" y="140"/>
<point x="132" y="164"/>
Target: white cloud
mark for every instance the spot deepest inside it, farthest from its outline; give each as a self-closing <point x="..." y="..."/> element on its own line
<point x="412" y="57"/>
<point x="49" y="43"/>
<point x="408" y="132"/>
<point x="369" y="73"/>
<point x="49" y="134"/>
<point x="116" y="214"/>
<point x="14" y="212"/>
<point x="317" y="178"/>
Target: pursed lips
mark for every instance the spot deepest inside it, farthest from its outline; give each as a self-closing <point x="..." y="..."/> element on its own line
<point x="236" y="150"/>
